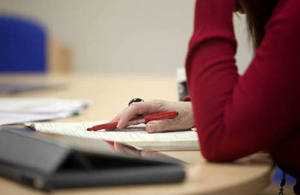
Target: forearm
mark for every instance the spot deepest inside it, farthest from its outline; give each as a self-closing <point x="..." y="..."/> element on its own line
<point x="236" y="116"/>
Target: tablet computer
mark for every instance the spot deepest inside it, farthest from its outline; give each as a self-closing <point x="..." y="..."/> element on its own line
<point x="49" y="163"/>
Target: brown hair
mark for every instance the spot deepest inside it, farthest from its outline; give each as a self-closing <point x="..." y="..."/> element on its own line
<point x="258" y="12"/>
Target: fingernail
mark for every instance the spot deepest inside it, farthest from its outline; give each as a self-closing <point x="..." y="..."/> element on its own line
<point x="118" y="126"/>
<point x="150" y="128"/>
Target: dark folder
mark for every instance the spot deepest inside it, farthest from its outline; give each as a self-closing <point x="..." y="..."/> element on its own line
<point x="48" y="164"/>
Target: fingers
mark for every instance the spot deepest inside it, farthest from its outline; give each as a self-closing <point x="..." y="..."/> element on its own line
<point x="184" y="120"/>
<point x="116" y="118"/>
<point x="161" y="126"/>
<point x="138" y="108"/>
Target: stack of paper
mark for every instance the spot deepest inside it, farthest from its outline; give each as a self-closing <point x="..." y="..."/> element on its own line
<point x="20" y="110"/>
<point x="137" y="136"/>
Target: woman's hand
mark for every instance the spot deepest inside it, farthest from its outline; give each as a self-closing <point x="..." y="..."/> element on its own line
<point x="184" y="120"/>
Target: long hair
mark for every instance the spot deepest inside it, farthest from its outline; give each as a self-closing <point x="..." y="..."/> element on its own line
<point x="258" y="12"/>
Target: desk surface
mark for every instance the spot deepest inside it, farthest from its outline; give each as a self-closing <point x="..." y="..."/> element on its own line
<point x="108" y="95"/>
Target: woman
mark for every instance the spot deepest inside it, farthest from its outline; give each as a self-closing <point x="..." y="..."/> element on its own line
<point x="239" y="115"/>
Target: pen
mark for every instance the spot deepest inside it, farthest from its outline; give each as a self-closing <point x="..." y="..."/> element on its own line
<point x="138" y="120"/>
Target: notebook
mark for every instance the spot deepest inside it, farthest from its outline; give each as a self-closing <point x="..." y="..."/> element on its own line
<point x="135" y="135"/>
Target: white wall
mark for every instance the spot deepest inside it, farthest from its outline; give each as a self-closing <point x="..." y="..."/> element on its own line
<point x="121" y="36"/>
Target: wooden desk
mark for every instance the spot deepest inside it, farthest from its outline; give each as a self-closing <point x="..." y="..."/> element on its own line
<point x="108" y="94"/>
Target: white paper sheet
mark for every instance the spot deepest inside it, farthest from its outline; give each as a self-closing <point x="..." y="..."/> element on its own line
<point x="179" y="140"/>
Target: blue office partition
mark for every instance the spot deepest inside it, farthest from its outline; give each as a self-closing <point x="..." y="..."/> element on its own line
<point x="23" y="45"/>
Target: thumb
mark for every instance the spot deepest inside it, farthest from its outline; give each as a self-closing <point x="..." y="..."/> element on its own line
<point x="160" y="126"/>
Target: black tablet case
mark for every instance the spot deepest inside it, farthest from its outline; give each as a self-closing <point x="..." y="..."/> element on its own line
<point x="47" y="164"/>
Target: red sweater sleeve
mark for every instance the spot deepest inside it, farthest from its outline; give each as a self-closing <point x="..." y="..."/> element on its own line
<point x="239" y="115"/>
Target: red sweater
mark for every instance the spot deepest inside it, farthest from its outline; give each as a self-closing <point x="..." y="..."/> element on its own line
<point x="239" y="115"/>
